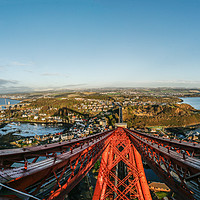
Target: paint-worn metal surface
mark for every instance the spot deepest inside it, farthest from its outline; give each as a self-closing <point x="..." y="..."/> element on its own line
<point x="121" y="174"/>
<point x="52" y="171"/>
<point x="178" y="169"/>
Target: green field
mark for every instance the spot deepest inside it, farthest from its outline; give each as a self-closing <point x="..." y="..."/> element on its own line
<point x="160" y="195"/>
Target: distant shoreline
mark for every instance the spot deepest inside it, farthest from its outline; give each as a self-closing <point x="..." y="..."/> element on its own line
<point x="4" y="106"/>
<point x="183" y="130"/>
<point x="33" y="122"/>
<point x="46" y="123"/>
<point x="192" y="101"/>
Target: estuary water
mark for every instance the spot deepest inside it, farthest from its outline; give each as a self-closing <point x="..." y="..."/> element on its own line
<point x="4" y="101"/>
<point x="15" y="131"/>
<point x="30" y="129"/>
<point x="193" y="101"/>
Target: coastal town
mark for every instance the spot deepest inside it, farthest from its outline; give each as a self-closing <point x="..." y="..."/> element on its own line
<point x="71" y="116"/>
<point x="88" y="113"/>
<point x="99" y="100"/>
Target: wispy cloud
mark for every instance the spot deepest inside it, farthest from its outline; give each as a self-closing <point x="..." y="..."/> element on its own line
<point x="12" y="86"/>
<point x="5" y="82"/>
<point x="54" y="74"/>
<point x="74" y="85"/>
<point x="178" y="81"/>
<point x="17" y="63"/>
<point x="63" y="87"/>
<point x="153" y="84"/>
<point x="17" y="89"/>
<point x="50" y="74"/>
<point x="29" y="71"/>
<point x="5" y="66"/>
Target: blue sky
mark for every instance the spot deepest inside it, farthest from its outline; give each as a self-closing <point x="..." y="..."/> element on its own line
<point x="54" y="44"/>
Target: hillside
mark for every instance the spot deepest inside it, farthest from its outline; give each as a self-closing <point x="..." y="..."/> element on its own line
<point x="169" y="115"/>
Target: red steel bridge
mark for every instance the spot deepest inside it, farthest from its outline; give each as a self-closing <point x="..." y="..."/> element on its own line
<point x="51" y="171"/>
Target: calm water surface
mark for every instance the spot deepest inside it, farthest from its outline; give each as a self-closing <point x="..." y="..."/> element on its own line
<point x="151" y="176"/>
<point x="30" y="129"/>
<point x="193" y="101"/>
<point x="7" y="102"/>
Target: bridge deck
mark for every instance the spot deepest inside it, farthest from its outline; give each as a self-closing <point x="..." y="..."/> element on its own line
<point x="49" y="171"/>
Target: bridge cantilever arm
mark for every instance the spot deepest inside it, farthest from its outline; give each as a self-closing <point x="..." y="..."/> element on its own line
<point x="188" y="146"/>
<point x="195" y="176"/>
<point x="164" y="161"/>
<point x="11" y="191"/>
<point x="9" y="156"/>
<point x="71" y="166"/>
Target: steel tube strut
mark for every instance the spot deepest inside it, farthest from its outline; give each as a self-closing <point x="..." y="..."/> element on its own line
<point x="192" y="147"/>
<point x="174" y="168"/>
<point x="10" y="156"/>
<point x="55" y="176"/>
<point x="130" y="181"/>
<point x="51" y="171"/>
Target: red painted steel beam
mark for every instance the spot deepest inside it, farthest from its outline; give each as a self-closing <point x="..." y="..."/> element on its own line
<point x="187" y="146"/>
<point x="121" y="174"/>
<point x="84" y="153"/>
<point x="10" y="156"/>
<point x="78" y="161"/>
<point x="143" y="180"/>
<point x="66" y="188"/>
<point x="192" y="163"/>
<point x="100" y="184"/>
<point x="163" y="161"/>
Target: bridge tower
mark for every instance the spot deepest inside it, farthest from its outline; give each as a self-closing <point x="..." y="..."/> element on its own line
<point x="121" y="174"/>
